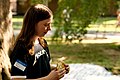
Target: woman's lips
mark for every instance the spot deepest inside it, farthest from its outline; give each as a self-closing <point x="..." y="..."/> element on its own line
<point x="45" y="33"/>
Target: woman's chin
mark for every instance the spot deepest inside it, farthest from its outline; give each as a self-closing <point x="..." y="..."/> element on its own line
<point x="43" y="35"/>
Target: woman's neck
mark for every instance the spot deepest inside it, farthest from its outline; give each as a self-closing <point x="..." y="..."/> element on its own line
<point x="35" y="37"/>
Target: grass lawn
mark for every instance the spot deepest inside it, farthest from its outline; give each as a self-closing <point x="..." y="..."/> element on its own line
<point x="105" y="24"/>
<point x="107" y="55"/>
<point x="17" y="22"/>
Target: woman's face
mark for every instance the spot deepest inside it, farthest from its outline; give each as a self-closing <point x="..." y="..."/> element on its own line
<point x="43" y="27"/>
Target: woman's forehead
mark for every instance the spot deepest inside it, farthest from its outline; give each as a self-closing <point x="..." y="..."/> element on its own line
<point x="46" y="21"/>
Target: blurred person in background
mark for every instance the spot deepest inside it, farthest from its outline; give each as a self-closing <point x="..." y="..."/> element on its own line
<point x="118" y="18"/>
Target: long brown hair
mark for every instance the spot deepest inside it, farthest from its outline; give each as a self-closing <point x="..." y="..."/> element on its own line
<point x="32" y="16"/>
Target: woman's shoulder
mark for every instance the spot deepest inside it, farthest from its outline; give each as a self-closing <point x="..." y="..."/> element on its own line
<point x="19" y="49"/>
<point x="19" y="45"/>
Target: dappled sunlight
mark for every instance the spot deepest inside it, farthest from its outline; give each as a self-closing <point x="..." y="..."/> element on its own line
<point x="110" y="22"/>
<point x="96" y="40"/>
<point x="101" y="41"/>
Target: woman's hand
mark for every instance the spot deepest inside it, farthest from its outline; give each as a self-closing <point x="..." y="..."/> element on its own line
<point x="61" y="65"/>
<point x="56" y="74"/>
<point x="67" y="68"/>
<point x="61" y="73"/>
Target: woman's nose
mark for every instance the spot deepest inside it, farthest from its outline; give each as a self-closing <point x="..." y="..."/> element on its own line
<point x="49" y="28"/>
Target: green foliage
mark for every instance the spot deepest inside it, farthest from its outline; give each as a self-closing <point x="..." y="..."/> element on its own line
<point x="36" y="1"/>
<point x="73" y="16"/>
<point x="40" y="1"/>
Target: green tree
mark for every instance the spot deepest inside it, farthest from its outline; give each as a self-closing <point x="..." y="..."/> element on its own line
<point x="40" y="1"/>
<point x="73" y="16"/>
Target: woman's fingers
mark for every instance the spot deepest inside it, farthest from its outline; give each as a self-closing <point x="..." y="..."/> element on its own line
<point x="61" y="73"/>
<point x="67" y="68"/>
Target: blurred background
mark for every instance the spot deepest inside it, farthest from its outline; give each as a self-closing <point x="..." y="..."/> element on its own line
<point x="82" y="31"/>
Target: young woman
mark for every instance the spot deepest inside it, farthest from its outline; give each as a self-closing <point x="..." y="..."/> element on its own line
<point x="30" y="56"/>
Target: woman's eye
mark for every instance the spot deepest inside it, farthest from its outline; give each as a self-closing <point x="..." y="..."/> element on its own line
<point x="46" y="24"/>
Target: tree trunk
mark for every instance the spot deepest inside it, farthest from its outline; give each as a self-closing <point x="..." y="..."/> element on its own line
<point x="53" y="5"/>
<point x="6" y="39"/>
<point x="22" y="6"/>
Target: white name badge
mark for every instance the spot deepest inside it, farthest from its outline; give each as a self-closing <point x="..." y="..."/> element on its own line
<point x="20" y="65"/>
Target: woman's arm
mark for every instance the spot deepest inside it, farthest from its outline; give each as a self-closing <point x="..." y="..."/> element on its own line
<point x="44" y="78"/>
<point x="53" y="75"/>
